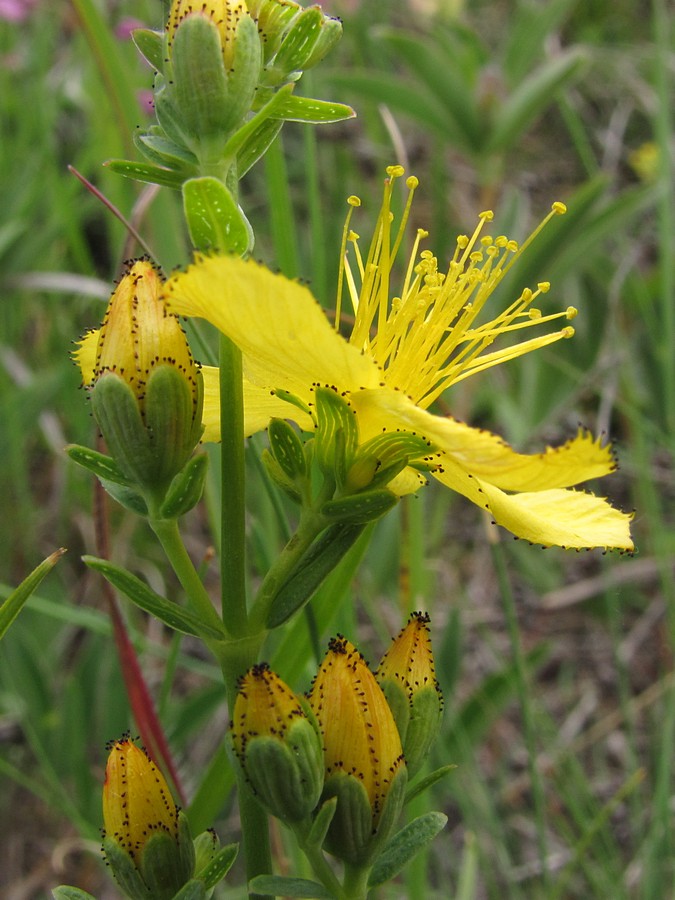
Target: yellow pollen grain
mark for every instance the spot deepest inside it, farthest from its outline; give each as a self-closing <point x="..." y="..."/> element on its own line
<point x="559" y="208"/>
<point x="395" y="171"/>
<point x="487" y="215"/>
<point x="544" y="286"/>
<point x="412" y="182"/>
<point x="353" y="200"/>
<point x="568" y="332"/>
<point x="571" y="312"/>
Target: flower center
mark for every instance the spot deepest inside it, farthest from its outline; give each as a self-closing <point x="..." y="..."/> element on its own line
<point x="426" y="338"/>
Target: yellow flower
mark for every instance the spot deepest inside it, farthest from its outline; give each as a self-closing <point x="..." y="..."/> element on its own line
<point x="406" y="347"/>
<point x="363" y="756"/>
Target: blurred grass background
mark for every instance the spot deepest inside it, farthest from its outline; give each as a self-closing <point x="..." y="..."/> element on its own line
<point x="556" y="667"/>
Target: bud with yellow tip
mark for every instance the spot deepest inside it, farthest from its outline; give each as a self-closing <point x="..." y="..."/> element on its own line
<point x="406" y="676"/>
<point x="363" y="757"/>
<point x="147" y="839"/>
<point x="277" y="745"/>
<point x="145" y="387"/>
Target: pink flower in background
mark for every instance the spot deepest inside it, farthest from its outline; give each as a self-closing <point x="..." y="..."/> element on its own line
<point x="16" y="10"/>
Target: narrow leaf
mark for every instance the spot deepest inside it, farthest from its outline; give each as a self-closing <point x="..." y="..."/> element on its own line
<point x="279" y="886"/>
<point x="425" y="783"/>
<point x="146" y="173"/>
<point x="66" y="892"/>
<point x="12" y="606"/>
<point x="405" y="845"/>
<point x="219" y="866"/>
<point x="139" y="593"/>
<point x="313" y="112"/>
<point x="103" y="467"/>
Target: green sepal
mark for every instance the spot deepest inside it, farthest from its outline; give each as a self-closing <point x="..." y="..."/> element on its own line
<point x="169" y="117"/>
<point x="103" y="467"/>
<point x="66" y="892"/>
<point x="321" y="824"/>
<point x="350" y="832"/>
<point x="162" y="151"/>
<point x="211" y="101"/>
<point x="115" y="408"/>
<point x="398" y="702"/>
<point x="218" y="867"/>
<point x="405" y="846"/>
<point x="383" y="457"/>
<point x="127" y="497"/>
<point x="214" y="218"/>
<point x="299" y="42"/>
<point x="284" y="886"/>
<point x="138" y="592"/>
<point x="425" y="783"/>
<point x="166" y="865"/>
<point x="193" y="890"/>
<point x="359" y="509"/>
<point x="425" y="721"/>
<point x="390" y="813"/>
<point x="145" y="173"/>
<point x="12" y="605"/>
<point x="279" y="477"/>
<point x="273" y="20"/>
<point x="336" y="435"/>
<point x="172" y="420"/>
<point x="313" y="112"/>
<point x="331" y="32"/>
<point x="150" y="44"/>
<point x="206" y="846"/>
<point x="319" y="561"/>
<point x="124" y="869"/>
<point x="286" y="773"/>
<point x="186" y="489"/>
<point x="287" y="448"/>
<point x="198" y="89"/>
<point x="294" y="400"/>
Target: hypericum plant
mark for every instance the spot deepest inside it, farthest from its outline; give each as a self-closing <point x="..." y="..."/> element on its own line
<point x="348" y="407"/>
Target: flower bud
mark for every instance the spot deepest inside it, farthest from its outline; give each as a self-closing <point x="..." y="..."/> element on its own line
<point x="363" y="758"/>
<point x="145" y="387"/>
<point x="147" y="840"/>
<point x="277" y="745"/>
<point x="406" y="676"/>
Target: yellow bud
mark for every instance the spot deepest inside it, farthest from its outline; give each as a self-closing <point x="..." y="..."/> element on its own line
<point x="359" y="733"/>
<point x="137" y="802"/>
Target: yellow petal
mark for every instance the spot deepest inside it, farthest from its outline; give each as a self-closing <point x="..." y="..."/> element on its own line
<point x="485" y="454"/>
<point x="560" y="518"/>
<point x="85" y="355"/>
<point x="260" y="405"/>
<point x="284" y="334"/>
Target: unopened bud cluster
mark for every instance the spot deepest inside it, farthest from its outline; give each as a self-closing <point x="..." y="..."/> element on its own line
<point x="359" y="477"/>
<point x="344" y="746"/>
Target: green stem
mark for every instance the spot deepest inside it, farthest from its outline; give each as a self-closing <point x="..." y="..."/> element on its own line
<point x="169" y="537"/>
<point x="356" y="882"/>
<point x="310" y="526"/>
<point x="233" y="487"/>
<point x="321" y="868"/>
<point x="510" y="612"/>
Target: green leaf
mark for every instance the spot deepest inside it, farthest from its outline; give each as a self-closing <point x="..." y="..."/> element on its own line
<point x="298" y="44"/>
<point x="66" y="892"/>
<point x="146" y="173"/>
<point x="405" y="845"/>
<point x="214" y="218"/>
<point x="360" y="508"/>
<point x="103" y="467"/>
<point x="219" y="866"/>
<point x="139" y="593"/>
<point x="321" y="558"/>
<point x="321" y="823"/>
<point x="425" y="783"/>
<point x="193" y="890"/>
<point x="279" y="886"/>
<point x="314" y="112"/>
<point x="12" y="606"/>
<point x="531" y="98"/>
